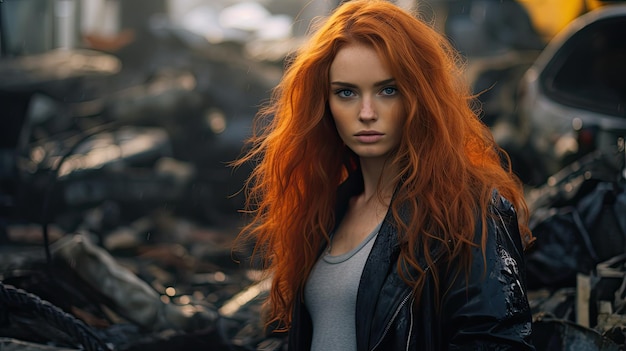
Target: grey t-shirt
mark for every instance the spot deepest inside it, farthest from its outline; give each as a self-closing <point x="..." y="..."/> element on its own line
<point x="330" y="297"/>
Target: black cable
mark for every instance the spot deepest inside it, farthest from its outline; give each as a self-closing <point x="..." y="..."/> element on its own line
<point x="63" y="321"/>
<point x="52" y="182"/>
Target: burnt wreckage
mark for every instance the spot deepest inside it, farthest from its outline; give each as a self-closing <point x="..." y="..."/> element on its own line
<point x="117" y="204"/>
<point x="116" y="208"/>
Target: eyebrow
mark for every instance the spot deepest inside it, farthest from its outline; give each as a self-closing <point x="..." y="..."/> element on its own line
<point x="377" y="84"/>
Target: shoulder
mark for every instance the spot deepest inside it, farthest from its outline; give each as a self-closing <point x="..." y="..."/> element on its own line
<point x="501" y="205"/>
<point x="503" y="224"/>
<point x="489" y="299"/>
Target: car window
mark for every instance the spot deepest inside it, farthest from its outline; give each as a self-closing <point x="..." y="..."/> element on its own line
<point x="589" y="71"/>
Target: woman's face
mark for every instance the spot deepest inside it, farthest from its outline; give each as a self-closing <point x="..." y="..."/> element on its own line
<point x="365" y="102"/>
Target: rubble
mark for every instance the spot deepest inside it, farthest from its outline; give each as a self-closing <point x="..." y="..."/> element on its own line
<point x="118" y="210"/>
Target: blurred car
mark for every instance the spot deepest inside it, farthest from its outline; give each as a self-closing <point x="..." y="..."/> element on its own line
<point x="575" y="92"/>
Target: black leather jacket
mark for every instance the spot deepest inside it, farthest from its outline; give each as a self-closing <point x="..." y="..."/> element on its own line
<point x="487" y="311"/>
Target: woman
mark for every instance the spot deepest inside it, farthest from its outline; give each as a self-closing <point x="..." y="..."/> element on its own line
<point x="380" y="204"/>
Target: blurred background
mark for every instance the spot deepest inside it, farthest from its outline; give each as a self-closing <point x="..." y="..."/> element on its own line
<point x="120" y="117"/>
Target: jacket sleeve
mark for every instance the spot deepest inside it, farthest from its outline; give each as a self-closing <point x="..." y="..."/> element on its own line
<point x="489" y="310"/>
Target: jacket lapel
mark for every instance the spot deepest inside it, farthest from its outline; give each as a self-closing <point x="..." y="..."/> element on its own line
<point x="381" y="290"/>
<point x="376" y="270"/>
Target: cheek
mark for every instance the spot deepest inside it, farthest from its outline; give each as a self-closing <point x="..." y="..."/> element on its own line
<point x="338" y="114"/>
<point x="400" y="114"/>
<point x="399" y="121"/>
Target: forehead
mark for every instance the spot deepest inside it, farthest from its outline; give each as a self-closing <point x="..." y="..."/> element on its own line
<point x="358" y="63"/>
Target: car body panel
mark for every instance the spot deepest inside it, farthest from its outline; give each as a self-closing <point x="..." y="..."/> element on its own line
<point x="576" y="82"/>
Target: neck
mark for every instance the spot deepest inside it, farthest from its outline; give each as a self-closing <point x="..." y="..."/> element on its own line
<point x="378" y="180"/>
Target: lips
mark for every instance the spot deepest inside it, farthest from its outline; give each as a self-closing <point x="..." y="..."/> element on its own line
<point x="368" y="136"/>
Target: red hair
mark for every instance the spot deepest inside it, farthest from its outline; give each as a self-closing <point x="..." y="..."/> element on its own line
<point x="447" y="157"/>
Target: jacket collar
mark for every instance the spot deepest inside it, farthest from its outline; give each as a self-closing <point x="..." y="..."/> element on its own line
<point x="379" y="264"/>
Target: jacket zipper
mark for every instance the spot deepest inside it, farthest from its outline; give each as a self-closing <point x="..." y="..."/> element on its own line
<point x="393" y="318"/>
<point x="395" y="314"/>
<point x="408" y="337"/>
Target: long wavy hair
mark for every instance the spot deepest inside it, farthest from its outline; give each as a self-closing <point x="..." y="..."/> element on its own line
<point x="449" y="163"/>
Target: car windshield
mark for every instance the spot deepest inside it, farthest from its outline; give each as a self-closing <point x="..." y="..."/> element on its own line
<point x="589" y="71"/>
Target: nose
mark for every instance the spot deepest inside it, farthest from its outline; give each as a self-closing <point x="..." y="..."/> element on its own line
<point x="367" y="112"/>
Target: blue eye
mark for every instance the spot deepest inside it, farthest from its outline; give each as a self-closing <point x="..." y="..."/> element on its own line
<point x="344" y="93"/>
<point x="389" y="91"/>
